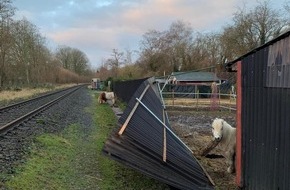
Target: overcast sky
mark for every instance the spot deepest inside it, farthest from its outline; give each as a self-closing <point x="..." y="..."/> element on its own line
<point x="96" y="27"/>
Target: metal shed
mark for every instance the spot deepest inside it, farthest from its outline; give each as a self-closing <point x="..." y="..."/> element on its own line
<point x="263" y="122"/>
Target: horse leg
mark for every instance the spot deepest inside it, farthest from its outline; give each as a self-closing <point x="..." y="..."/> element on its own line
<point x="113" y="101"/>
<point x="231" y="168"/>
<point x="230" y="161"/>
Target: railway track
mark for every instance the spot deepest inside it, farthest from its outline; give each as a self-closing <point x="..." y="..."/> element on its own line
<point x="16" y="140"/>
<point x="15" y="114"/>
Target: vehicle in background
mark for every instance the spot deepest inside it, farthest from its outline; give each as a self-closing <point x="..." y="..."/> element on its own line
<point x="96" y="84"/>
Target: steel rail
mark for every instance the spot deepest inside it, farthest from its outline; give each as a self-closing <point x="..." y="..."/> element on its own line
<point x="19" y="120"/>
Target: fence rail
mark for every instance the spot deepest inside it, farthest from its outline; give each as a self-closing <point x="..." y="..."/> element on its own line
<point x="200" y="100"/>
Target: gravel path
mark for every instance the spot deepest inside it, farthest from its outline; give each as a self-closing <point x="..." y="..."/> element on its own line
<point x="15" y="144"/>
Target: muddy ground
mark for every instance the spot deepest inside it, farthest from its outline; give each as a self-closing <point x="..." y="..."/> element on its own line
<point x="194" y="128"/>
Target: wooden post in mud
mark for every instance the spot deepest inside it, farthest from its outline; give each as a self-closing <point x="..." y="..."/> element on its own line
<point x="173" y="96"/>
<point x="164" y="140"/>
<point x="197" y="98"/>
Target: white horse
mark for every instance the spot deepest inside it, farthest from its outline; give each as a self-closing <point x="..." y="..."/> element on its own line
<point x="107" y="96"/>
<point x="225" y="134"/>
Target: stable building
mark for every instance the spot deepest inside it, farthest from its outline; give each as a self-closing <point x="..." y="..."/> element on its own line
<point x="201" y="78"/>
<point x="192" y="84"/>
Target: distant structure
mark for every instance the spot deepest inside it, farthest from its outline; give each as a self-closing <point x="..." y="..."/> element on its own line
<point x="214" y="96"/>
<point x="96" y="84"/>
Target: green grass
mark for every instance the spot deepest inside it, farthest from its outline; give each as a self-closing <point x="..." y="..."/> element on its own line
<point x="64" y="161"/>
<point x="115" y="175"/>
<point x="73" y="160"/>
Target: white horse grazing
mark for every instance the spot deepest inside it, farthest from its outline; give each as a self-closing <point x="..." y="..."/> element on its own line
<point x="225" y="134"/>
<point x="106" y="96"/>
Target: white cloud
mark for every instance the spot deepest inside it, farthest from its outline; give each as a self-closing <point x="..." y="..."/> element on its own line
<point x="96" y="27"/>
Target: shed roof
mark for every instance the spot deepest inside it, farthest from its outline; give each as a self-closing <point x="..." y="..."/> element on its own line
<point x="230" y="64"/>
<point x="195" y="76"/>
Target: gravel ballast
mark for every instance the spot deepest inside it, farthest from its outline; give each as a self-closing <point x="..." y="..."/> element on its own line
<point x="15" y="144"/>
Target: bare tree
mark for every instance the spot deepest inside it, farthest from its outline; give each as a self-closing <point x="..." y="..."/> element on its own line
<point x="252" y="29"/>
<point x="73" y="59"/>
<point x="151" y="51"/>
<point x="63" y="55"/>
<point x="116" y="60"/>
<point x="79" y="61"/>
<point x="166" y="51"/>
<point x="6" y="13"/>
<point x="26" y="50"/>
<point x="129" y="72"/>
<point x="128" y="56"/>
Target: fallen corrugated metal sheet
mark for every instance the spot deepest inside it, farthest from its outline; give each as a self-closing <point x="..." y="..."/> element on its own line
<point x="146" y="143"/>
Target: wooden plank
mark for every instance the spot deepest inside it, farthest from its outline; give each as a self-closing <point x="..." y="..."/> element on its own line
<point x="121" y="131"/>
<point x="164" y="139"/>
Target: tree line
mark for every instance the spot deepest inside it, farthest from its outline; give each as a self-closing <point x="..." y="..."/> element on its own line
<point x="180" y="48"/>
<point x="25" y="60"/>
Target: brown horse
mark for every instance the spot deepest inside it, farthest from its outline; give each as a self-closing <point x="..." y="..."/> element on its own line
<point x="107" y="96"/>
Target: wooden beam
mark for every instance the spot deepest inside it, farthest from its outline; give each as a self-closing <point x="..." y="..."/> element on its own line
<point x="132" y="112"/>
<point x="164" y="139"/>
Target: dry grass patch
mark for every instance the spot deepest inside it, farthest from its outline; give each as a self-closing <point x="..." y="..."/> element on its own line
<point x="26" y="93"/>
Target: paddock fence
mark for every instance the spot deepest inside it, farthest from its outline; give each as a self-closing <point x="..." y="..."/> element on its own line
<point x="199" y="97"/>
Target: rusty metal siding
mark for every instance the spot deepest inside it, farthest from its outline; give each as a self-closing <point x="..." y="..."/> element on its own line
<point x="265" y="124"/>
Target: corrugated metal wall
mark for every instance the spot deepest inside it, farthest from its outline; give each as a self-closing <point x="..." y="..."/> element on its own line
<point x="266" y="118"/>
<point x="146" y="146"/>
<point x="125" y="89"/>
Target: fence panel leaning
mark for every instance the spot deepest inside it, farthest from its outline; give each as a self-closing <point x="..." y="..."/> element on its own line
<point x="145" y="141"/>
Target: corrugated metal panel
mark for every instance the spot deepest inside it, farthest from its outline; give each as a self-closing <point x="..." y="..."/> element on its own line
<point x="265" y="124"/>
<point x="141" y="145"/>
<point x="125" y="89"/>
